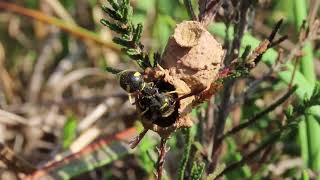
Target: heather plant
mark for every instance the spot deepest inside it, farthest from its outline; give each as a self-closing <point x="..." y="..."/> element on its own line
<point x="192" y="89"/>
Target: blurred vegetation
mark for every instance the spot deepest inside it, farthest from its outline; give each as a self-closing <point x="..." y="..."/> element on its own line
<point x="56" y="98"/>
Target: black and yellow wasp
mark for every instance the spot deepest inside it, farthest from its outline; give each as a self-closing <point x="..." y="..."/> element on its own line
<point x="156" y="103"/>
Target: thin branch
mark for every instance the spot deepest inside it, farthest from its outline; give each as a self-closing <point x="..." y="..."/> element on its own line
<point x="274" y="137"/>
<point x="73" y="29"/>
<point x="278" y="41"/>
<point x="160" y="162"/>
<point x="271" y="41"/>
<point x="275" y="30"/>
<point x="13" y="161"/>
<point x="224" y="107"/>
<point x="314" y="6"/>
<point x="251" y="88"/>
<point x="37" y="77"/>
<point x="255" y="118"/>
<point x="208" y="10"/>
<point x="103" y="147"/>
<point x="190" y="10"/>
<point x="135" y="141"/>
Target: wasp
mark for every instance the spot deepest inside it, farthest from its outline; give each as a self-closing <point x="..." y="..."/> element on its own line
<point x="155" y="102"/>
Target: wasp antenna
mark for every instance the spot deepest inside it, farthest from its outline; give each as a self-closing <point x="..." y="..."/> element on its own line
<point x="113" y="70"/>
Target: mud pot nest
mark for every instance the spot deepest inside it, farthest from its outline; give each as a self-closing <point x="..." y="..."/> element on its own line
<point x="190" y="64"/>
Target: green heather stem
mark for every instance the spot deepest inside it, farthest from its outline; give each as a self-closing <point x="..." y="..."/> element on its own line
<point x="309" y="130"/>
<point x="186" y="152"/>
<point x="197" y="170"/>
<point x="305" y="87"/>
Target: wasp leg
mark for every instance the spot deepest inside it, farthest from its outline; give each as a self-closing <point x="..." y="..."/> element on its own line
<point x="151" y="84"/>
<point x="161" y="68"/>
<point x="175" y="92"/>
<point x="131" y="98"/>
<point x="164" y="106"/>
<point x="141" y="114"/>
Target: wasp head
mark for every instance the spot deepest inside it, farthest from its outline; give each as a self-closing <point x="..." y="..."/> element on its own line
<point x="131" y="81"/>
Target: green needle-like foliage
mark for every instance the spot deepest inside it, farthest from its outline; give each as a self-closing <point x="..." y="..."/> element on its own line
<point x="186" y="152"/>
<point x="197" y="170"/>
<point x="309" y="130"/>
<point x="113" y="70"/>
<point x="130" y="34"/>
<point x="302" y="107"/>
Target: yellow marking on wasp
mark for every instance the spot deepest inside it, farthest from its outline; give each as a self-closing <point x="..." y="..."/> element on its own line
<point x="130" y="98"/>
<point x="143" y="86"/>
<point x="164" y="105"/>
<point x="137" y="74"/>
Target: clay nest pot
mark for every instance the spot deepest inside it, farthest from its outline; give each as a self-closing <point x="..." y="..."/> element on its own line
<point x="190" y="63"/>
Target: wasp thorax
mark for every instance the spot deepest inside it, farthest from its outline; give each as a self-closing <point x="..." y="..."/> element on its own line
<point x="131" y="81"/>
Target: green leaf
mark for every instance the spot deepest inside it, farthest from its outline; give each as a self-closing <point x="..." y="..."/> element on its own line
<point x="304" y="175"/>
<point x="113" y="70"/>
<point x="114" y="5"/>
<point x="69" y="131"/>
<point x="197" y="170"/>
<point x="114" y="27"/>
<point x="289" y="111"/>
<point x="137" y="33"/>
<point x="113" y="14"/>
<point x="121" y="41"/>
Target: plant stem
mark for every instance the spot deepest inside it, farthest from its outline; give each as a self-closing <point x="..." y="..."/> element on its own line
<point x="68" y="27"/>
<point x="190" y="10"/>
<point x="309" y="129"/>
<point x="186" y="152"/>
<point x="258" y="116"/>
<point x="162" y="153"/>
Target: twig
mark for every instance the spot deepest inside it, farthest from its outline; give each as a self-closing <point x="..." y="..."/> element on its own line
<point x="6" y="81"/>
<point x="251" y="88"/>
<point x="160" y="162"/>
<point x="93" y="116"/>
<point x="190" y="10"/>
<point x="265" y="30"/>
<point x="271" y="40"/>
<point x="313" y="27"/>
<point x="284" y="165"/>
<point x="37" y="75"/>
<point x="11" y="119"/>
<point x="73" y="29"/>
<point x="224" y="107"/>
<point x="274" y="137"/>
<point x="13" y="161"/>
<point x="60" y="10"/>
<point x="314" y="6"/>
<point x="208" y="10"/>
<point x="99" y="152"/>
<point x="66" y="64"/>
<point x="254" y="84"/>
<point x="76" y="75"/>
<point x="254" y="58"/>
<point x="295" y="66"/>
<point x="261" y="114"/>
<point x="23" y="108"/>
<point x="135" y="141"/>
